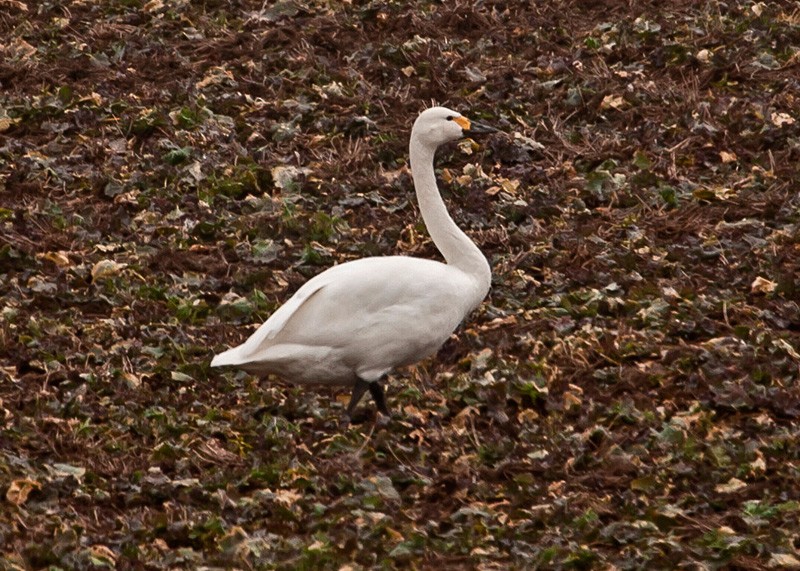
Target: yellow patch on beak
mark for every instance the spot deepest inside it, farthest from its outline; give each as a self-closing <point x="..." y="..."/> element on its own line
<point x="463" y="122"/>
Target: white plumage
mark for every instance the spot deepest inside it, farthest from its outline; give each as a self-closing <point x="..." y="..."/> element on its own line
<point x="354" y="322"/>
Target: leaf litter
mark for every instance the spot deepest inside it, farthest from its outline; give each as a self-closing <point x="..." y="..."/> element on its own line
<point x="628" y="396"/>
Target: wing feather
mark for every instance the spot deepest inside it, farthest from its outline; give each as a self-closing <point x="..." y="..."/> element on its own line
<point x="270" y="328"/>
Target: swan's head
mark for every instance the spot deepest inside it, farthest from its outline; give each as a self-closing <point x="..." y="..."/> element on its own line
<point x="439" y="125"/>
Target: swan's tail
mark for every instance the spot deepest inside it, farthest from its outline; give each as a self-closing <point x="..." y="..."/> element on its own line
<point x="229" y="357"/>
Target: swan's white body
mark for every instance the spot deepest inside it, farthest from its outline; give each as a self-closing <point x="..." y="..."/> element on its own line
<point x="356" y="321"/>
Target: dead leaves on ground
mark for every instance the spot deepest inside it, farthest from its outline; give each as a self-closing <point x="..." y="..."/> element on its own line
<point x="627" y="397"/>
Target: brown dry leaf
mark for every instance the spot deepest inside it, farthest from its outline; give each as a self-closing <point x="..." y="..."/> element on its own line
<point x="556" y="488"/>
<point x="780" y="119"/>
<point x="416" y="414"/>
<point x="6" y="123"/>
<point x="384" y="487"/>
<point x="786" y="346"/>
<point x="464" y="465"/>
<point x="131" y="380"/>
<point x="19" y="49"/>
<point x="716" y="193"/>
<point x="498" y="322"/>
<point x="19" y="490"/>
<point x="94" y="98"/>
<point x="612" y="102"/>
<point x="59" y="258"/>
<point x="217" y="75"/>
<point x="460" y="420"/>
<point x="153" y="6"/>
<point x="417" y="435"/>
<point x="393" y="175"/>
<point x="510" y="185"/>
<point x="287" y="497"/>
<point x="394" y="534"/>
<point x="106" y="269"/>
<point x="103" y="553"/>
<point x="732" y="485"/>
<point x="15" y="4"/>
<point x="783" y="561"/>
<point x="759" y="465"/>
<point x="762" y="285"/>
<point x="467" y="146"/>
<point x="572" y="400"/>
<point x="727" y="157"/>
<point x="213" y="451"/>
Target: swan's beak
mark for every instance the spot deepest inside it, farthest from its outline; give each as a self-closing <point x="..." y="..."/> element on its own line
<point x="475" y="128"/>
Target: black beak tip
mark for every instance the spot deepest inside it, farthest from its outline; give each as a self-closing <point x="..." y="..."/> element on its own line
<point x="476" y="128"/>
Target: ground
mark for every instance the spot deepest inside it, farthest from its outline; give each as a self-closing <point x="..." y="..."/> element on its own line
<point x="627" y="397"/>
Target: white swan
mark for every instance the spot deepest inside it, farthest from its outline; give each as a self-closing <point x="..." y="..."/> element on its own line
<point x="354" y="322"/>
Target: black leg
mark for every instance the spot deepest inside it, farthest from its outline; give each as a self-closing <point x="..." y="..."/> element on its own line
<point x="358" y="391"/>
<point x="376" y="390"/>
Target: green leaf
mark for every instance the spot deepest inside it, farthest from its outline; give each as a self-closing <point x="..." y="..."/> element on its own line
<point x="641" y="161"/>
<point x="177" y="156"/>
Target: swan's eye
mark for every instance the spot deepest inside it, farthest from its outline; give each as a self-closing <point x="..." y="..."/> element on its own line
<point x="450" y="117"/>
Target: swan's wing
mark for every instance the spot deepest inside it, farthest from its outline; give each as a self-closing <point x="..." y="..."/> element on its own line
<point x="271" y="327"/>
<point x="382" y="312"/>
<point x="373" y="314"/>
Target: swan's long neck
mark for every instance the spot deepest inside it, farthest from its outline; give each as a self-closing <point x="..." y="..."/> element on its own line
<point x="456" y="247"/>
